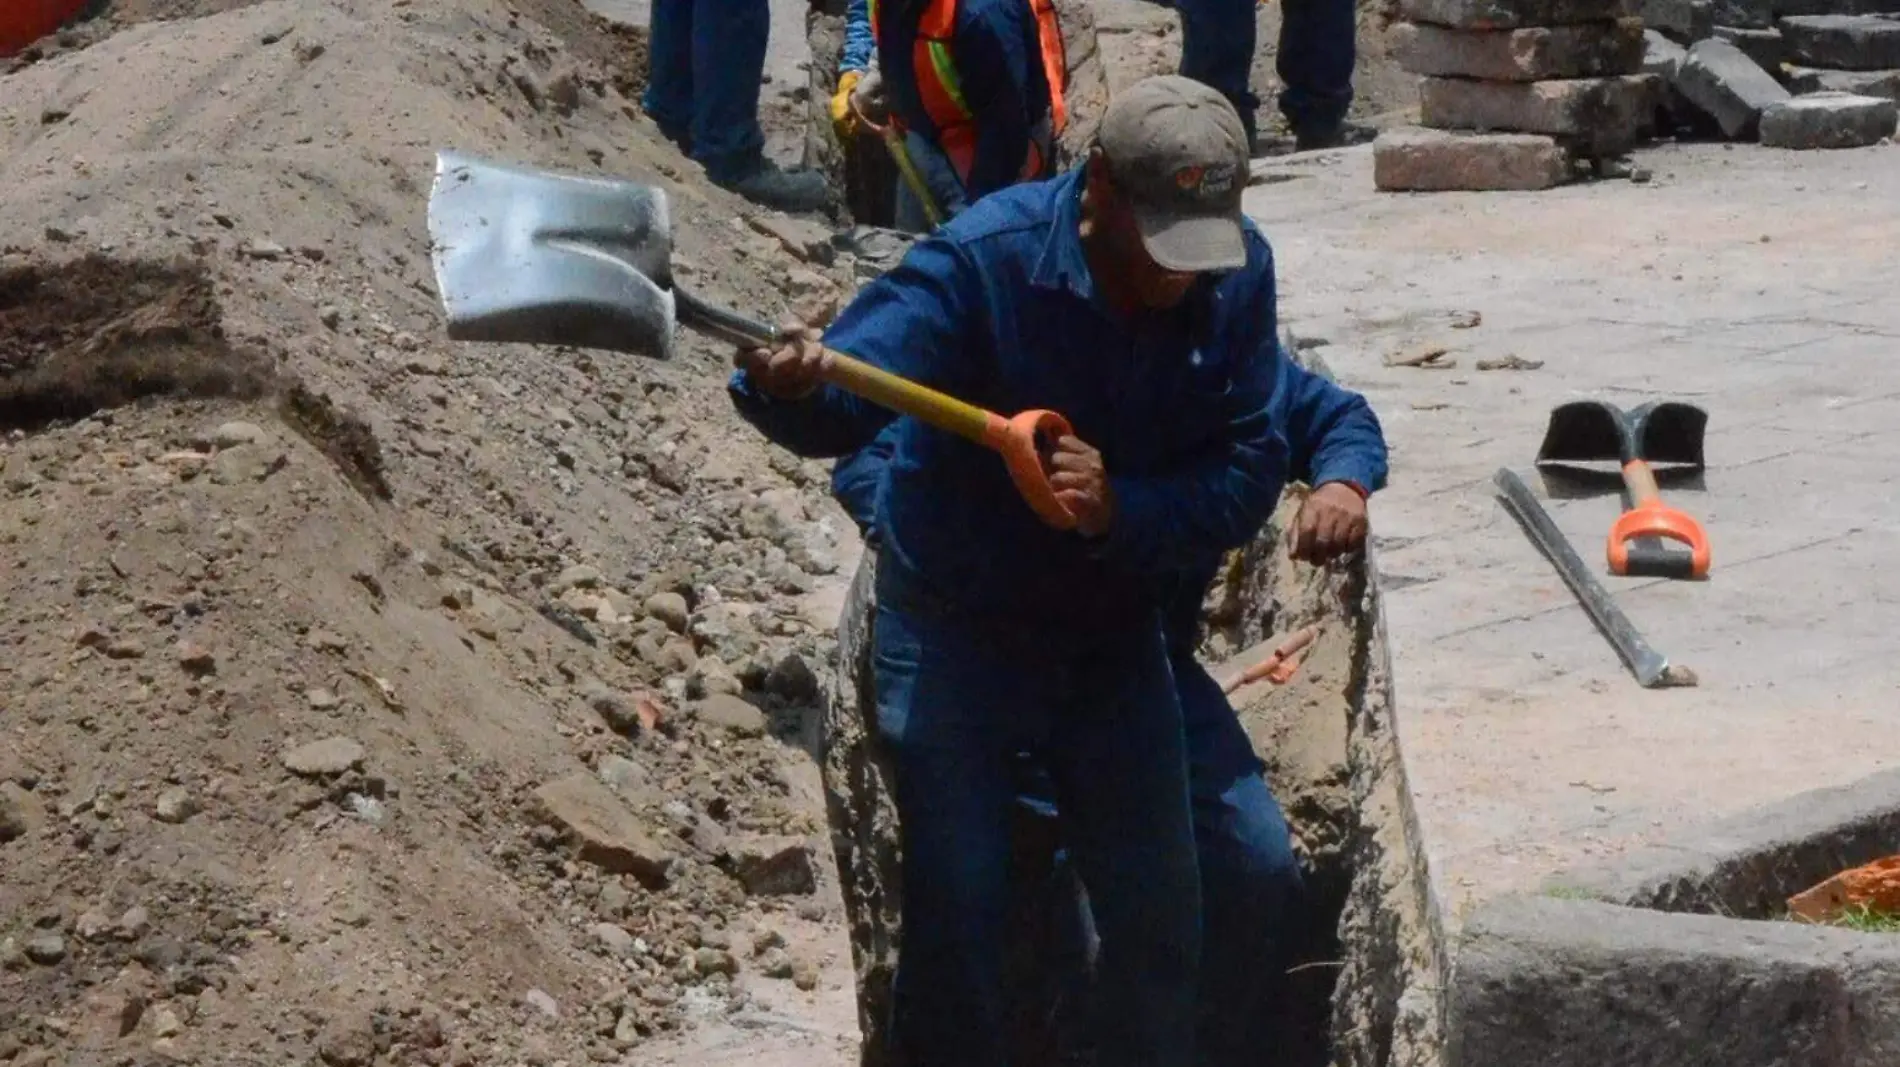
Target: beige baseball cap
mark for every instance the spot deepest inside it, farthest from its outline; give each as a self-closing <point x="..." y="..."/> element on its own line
<point x="1178" y="151"/>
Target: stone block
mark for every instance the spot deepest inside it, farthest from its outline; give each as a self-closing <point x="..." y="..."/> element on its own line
<point x="1592" y="116"/>
<point x="1835" y="7"/>
<point x="1585" y="50"/>
<point x="1434" y="161"/>
<point x="1682" y="21"/>
<point x="1744" y="14"/>
<point x="1829" y="120"/>
<point x="1562" y="983"/>
<point x="1662" y="56"/>
<point x="1732" y="88"/>
<point x="1765" y="47"/>
<point x="1511" y="14"/>
<point x="1844" y="42"/>
<point x="1859" y="82"/>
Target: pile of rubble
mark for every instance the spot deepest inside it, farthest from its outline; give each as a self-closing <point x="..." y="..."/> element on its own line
<point x="1514" y="94"/>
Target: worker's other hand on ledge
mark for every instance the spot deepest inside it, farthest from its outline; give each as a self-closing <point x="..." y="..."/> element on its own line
<point x="1331" y="523"/>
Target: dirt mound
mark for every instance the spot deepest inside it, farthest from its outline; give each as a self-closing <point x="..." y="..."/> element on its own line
<point x="370" y="699"/>
<point x="99" y="333"/>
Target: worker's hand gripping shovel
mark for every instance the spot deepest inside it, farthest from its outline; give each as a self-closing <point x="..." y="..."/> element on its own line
<point x="533" y="257"/>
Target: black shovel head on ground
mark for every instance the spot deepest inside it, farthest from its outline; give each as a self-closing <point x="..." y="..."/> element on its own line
<point x="1665" y="433"/>
<point x="534" y="257"/>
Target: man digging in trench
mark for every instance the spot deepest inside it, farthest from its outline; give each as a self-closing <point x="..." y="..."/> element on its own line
<point x="1133" y="296"/>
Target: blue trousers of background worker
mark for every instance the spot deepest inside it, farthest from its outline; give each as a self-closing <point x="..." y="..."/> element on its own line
<point x="1317" y="47"/>
<point x="959" y="699"/>
<point x="707" y="57"/>
<point x="1251" y="890"/>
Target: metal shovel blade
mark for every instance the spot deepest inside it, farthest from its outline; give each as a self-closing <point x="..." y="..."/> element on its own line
<point x="1590" y="431"/>
<point x="534" y="257"/>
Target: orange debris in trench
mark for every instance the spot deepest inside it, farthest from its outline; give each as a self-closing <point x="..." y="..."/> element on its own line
<point x="1875" y="887"/>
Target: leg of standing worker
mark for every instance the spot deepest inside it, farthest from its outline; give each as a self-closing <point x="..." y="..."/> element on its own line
<point x="948" y="701"/>
<point x="729" y="40"/>
<point x="1250" y="880"/>
<point x="1317" y="50"/>
<point x="939" y="176"/>
<point x="668" y="98"/>
<point x="1116" y="755"/>
<point x="1217" y="49"/>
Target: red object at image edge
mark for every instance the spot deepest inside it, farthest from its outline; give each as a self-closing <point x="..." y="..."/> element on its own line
<point x="24" y="21"/>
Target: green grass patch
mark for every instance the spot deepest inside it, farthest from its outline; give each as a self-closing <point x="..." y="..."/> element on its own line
<point x="1866" y="920"/>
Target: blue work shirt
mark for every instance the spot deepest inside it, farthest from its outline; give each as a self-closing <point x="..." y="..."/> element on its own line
<point x="997" y="51"/>
<point x="1332" y="435"/>
<point x="998" y="308"/>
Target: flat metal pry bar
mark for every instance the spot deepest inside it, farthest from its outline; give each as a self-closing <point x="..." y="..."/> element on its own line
<point x="1652" y="669"/>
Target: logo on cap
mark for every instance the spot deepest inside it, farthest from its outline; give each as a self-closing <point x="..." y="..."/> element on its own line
<point x="1200" y="180"/>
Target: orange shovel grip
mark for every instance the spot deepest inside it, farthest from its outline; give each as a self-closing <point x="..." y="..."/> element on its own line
<point x="1653" y="518"/>
<point x="1018" y="441"/>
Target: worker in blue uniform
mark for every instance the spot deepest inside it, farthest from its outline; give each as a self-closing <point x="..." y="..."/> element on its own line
<point x="1132" y="295"/>
<point x="1315" y="60"/>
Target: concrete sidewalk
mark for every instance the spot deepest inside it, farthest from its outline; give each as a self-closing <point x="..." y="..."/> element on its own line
<point x="1753" y="282"/>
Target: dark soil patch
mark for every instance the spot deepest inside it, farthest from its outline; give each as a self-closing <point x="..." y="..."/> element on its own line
<point x="339" y="434"/>
<point x="619" y="50"/>
<point x="98" y="333"/>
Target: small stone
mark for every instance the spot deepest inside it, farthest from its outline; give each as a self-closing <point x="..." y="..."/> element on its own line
<point x="776" y="963"/>
<point x="21" y="812"/>
<point x="669" y="608"/>
<point x="268" y="250"/>
<point x="124" y="648"/>
<point x="774" y="866"/>
<point x="579" y="576"/>
<point x="322" y="699"/>
<point x="542" y="1003"/>
<point x="714" y="961"/>
<point x="1584" y="51"/>
<point x="93" y="925"/>
<point x="614" y="938"/>
<point x="1844" y="42"/>
<point x="1721" y="80"/>
<point x="727" y="712"/>
<point x="710" y="677"/>
<point x="233" y="434"/>
<point x="1829" y="120"/>
<point x="45" y="949"/>
<point x="327" y="758"/>
<point x="807" y="241"/>
<point x="804" y="974"/>
<point x="1765" y="47"/>
<point x="165" y="1023"/>
<point x="328" y="641"/>
<point x="1511" y="14"/>
<point x="133" y="924"/>
<point x="174" y="806"/>
<point x="195" y="659"/>
<point x="330" y="315"/>
<point x="625" y="777"/>
<point x="1416" y="160"/>
<point x="614" y="898"/>
<point x="1600" y="116"/>
<point x="620" y="713"/>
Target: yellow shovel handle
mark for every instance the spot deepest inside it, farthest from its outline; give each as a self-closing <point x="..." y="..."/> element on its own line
<point x="903" y="395"/>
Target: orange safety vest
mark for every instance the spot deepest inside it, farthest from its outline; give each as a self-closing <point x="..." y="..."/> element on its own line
<point x="942" y="90"/>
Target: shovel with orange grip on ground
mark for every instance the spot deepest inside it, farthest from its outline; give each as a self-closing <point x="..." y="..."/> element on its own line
<point x="535" y="257"/>
<point x="1666" y="433"/>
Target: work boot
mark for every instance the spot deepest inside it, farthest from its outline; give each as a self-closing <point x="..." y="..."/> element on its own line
<point x="790" y="191"/>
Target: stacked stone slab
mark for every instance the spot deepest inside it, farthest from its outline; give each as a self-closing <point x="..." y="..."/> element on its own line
<point x="1509" y="90"/>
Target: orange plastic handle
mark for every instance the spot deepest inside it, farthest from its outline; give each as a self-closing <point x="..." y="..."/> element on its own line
<point x="1018" y="440"/>
<point x="1015" y="439"/>
<point x="1653" y="518"/>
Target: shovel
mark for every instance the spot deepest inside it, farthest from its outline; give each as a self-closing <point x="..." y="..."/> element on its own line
<point x="1668" y="432"/>
<point x="533" y="257"/>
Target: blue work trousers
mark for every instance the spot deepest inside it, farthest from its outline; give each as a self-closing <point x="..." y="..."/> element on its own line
<point x="707" y="57"/>
<point x="1317" y="48"/>
<point x="959" y="699"/>
<point x="1251" y="890"/>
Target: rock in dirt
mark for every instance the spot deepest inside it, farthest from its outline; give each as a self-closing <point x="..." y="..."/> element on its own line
<point x="603" y="832"/>
<point x="543" y="1003"/>
<point x="133" y="924"/>
<point x="323" y="759"/>
<point x="174" y="805"/>
<point x="233" y="434"/>
<point x="1829" y="120"/>
<point x="349" y="1041"/>
<point x="614" y="938"/>
<point x="792" y="678"/>
<point x="21" y="812"/>
<point x="669" y="608"/>
<point x="774" y="866"/>
<point x="731" y="713"/>
<point x="45" y="948"/>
